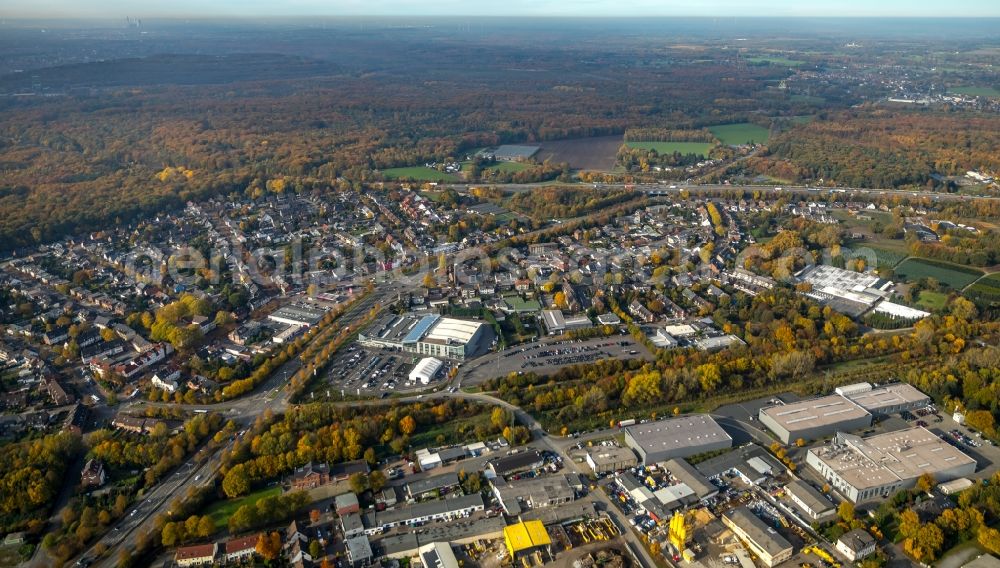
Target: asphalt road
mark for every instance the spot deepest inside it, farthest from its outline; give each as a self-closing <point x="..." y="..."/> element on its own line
<point x="194" y="472"/>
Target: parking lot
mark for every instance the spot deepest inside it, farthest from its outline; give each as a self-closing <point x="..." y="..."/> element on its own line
<point x="377" y="371"/>
<point x="545" y="356"/>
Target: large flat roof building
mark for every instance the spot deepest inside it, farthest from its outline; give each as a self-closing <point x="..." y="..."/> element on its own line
<point x="676" y="438"/>
<point x="765" y="542"/>
<point x="873" y="468"/>
<point x="887" y="399"/>
<point x="298" y="314"/>
<point x="430" y="335"/>
<point x="814" y="418"/>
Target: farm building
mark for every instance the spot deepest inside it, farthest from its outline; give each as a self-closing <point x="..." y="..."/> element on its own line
<point x="514" y="152"/>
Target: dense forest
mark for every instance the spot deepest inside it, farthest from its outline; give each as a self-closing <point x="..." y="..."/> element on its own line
<point x="872" y="147"/>
<point x="76" y="161"/>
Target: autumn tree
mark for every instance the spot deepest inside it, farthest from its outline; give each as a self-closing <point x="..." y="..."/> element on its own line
<point x="407" y="425"/>
<point x="268" y="546"/>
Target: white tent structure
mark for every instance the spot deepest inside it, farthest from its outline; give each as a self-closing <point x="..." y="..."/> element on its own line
<point x="425" y="370"/>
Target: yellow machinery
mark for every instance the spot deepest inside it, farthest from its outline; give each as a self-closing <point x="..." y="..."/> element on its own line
<point x="678" y="531"/>
<point x="822" y="554"/>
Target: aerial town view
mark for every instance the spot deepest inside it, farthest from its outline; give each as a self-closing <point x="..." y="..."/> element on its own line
<point x="331" y="284"/>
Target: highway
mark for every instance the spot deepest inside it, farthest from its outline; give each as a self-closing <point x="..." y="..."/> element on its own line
<point x="675" y="188"/>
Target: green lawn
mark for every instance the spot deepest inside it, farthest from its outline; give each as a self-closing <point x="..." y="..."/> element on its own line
<point x="952" y="275"/>
<point x="220" y="511"/>
<point x="737" y="134"/>
<point x="776" y="60"/>
<point x="931" y="300"/>
<point x="510" y="167"/>
<point x="699" y="148"/>
<point x="976" y="91"/>
<point x="419" y="173"/>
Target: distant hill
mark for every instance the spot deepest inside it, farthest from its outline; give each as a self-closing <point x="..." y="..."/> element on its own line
<point x="169" y="69"/>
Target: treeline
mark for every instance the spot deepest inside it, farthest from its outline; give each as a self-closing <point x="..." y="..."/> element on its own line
<point x="976" y="250"/>
<point x="642" y="159"/>
<point x="158" y="452"/>
<point x="788" y="337"/>
<point x="326" y="433"/>
<point x="562" y="202"/>
<point x="31" y="474"/>
<point x="668" y="135"/>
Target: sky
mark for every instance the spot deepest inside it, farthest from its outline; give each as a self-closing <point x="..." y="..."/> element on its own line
<point x="564" y="8"/>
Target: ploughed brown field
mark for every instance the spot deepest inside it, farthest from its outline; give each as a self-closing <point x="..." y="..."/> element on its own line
<point x="595" y="153"/>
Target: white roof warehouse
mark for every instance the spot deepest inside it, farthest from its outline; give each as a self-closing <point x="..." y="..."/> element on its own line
<point x="676" y="438"/>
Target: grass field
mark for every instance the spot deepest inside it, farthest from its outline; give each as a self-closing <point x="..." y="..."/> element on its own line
<point x="976" y="91"/>
<point x="512" y="167"/>
<point x="699" y="148"/>
<point x="952" y="275"/>
<point x="743" y="133"/>
<point x="931" y="300"/>
<point x="775" y="60"/>
<point x="419" y="173"/>
<point x="220" y="511"/>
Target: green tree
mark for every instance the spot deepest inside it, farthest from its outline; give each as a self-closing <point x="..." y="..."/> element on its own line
<point x="236" y="482"/>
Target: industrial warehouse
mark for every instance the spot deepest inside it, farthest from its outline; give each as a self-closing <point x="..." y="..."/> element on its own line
<point x="888" y="399"/>
<point x="430" y="335"/>
<point x="679" y="437"/>
<point x="868" y="469"/>
<point x="814" y="418"/>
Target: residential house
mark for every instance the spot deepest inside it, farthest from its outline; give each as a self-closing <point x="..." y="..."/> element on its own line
<point x="197" y="555"/>
<point x="92" y="474"/>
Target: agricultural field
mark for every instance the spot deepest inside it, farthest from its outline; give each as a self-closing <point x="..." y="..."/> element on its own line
<point x="808" y="99"/>
<point x="775" y="60"/>
<point x="884" y="258"/>
<point x="737" y="134"/>
<point x="418" y="173"/>
<point x="952" y="275"/>
<point x="596" y="153"/>
<point x="700" y="148"/>
<point x="976" y="91"/>
<point x="986" y="290"/>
